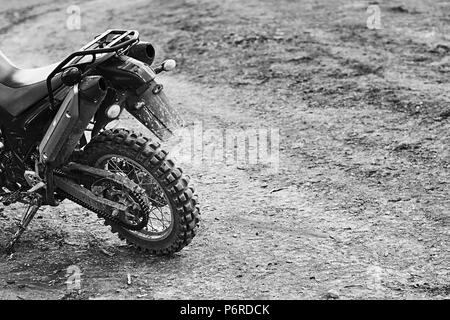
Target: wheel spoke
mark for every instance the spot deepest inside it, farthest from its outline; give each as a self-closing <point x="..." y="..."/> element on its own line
<point x="159" y="219"/>
<point x="116" y="166"/>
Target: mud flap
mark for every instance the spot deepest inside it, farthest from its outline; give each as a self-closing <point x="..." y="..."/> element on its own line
<point x="154" y="111"/>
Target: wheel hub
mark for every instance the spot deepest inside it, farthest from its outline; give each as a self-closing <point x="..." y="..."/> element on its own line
<point x="133" y="216"/>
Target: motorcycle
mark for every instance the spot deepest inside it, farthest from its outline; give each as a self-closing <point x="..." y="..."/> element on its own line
<point x="55" y="144"/>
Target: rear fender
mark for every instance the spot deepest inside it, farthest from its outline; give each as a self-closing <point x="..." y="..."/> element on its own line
<point x="143" y="97"/>
<point x="154" y="111"/>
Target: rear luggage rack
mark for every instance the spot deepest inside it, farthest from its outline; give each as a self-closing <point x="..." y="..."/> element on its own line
<point x="108" y="42"/>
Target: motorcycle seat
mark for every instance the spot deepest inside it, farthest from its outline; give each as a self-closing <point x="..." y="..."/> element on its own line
<point x="21" y="88"/>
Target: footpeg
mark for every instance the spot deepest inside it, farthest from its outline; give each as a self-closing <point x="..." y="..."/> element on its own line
<point x="37" y="187"/>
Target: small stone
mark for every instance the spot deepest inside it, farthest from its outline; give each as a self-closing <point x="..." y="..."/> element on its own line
<point x="108" y="253"/>
<point x="276" y="190"/>
<point x="331" y="295"/>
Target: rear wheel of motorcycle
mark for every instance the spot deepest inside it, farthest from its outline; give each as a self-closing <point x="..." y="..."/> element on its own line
<point x="148" y="156"/>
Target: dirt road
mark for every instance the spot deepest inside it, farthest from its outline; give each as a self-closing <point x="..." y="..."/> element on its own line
<point x="359" y="207"/>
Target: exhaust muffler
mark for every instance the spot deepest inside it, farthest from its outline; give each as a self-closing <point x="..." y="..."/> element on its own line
<point x="143" y="51"/>
<point x="71" y="120"/>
